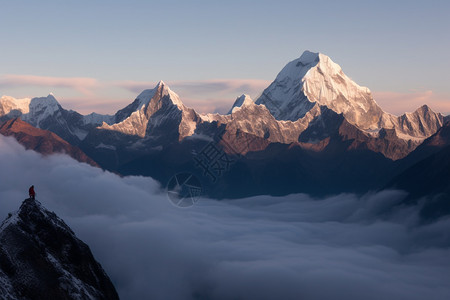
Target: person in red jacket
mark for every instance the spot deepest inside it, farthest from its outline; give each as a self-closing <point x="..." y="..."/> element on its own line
<point x="31" y="192"/>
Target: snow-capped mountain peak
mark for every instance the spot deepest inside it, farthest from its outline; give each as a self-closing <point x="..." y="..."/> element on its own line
<point x="242" y="100"/>
<point x="327" y="85"/>
<point x="145" y="97"/>
<point x="47" y="113"/>
<point x="284" y="97"/>
<point x="134" y="118"/>
<point x="41" y="109"/>
<point x="49" y="104"/>
<point x="296" y="69"/>
<point x="11" y="105"/>
<point x="97" y="119"/>
<point x="162" y="90"/>
<point x="315" y="78"/>
<point x="166" y="91"/>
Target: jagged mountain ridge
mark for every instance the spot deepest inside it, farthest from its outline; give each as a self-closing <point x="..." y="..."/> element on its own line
<point x="152" y="109"/>
<point x="46" y="113"/>
<point x="314" y="79"/>
<point x="294" y="98"/>
<point x="311" y="105"/>
<point x="41" y="258"/>
<point x="42" y="141"/>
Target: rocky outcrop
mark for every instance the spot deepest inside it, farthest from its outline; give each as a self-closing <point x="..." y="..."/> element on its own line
<point x="41" y="258"/>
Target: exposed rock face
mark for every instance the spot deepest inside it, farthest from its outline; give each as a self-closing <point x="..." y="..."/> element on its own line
<point x="152" y="109"/>
<point x="421" y="124"/>
<point x="42" y="141"/>
<point x="315" y="79"/>
<point x="41" y="258"/>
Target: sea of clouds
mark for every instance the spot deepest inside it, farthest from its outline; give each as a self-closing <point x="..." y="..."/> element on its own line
<point x="292" y="247"/>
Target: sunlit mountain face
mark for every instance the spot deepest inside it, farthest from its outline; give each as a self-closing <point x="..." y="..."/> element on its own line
<point x="312" y="130"/>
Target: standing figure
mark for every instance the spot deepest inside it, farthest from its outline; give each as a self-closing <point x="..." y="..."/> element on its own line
<point x="31" y="192"/>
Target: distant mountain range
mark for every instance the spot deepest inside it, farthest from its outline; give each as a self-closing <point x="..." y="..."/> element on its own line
<point x="312" y="130"/>
<point x="42" y="141"/>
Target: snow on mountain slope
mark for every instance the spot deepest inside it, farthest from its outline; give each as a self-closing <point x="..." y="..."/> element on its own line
<point x="41" y="109"/>
<point x="240" y="101"/>
<point x="285" y="97"/>
<point x="415" y="126"/>
<point x="46" y="113"/>
<point x="327" y="84"/>
<point x="143" y="100"/>
<point x="151" y="109"/>
<point x="10" y="105"/>
<point x="315" y="78"/>
<point x="97" y="119"/>
<point x="251" y="123"/>
<point x="135" y="124"/>
<point x="160" y="108"/>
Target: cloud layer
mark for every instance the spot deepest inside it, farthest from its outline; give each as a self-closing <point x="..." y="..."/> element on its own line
<point x="292" y="247"/>
<point x="80" y="84"/>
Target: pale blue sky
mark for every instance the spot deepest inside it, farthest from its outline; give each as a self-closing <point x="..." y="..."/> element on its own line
<point x="399" y="50"/>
